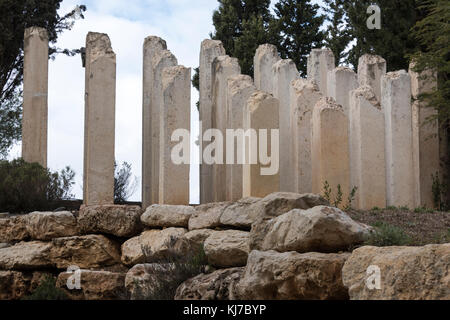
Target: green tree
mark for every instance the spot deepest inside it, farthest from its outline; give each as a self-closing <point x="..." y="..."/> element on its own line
<point x="124" y="186"/>
<point x="10" y="123"/>
<point x="298" y="24"/>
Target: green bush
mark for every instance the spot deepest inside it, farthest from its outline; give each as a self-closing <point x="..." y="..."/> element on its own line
<point x="387" y="235"/>
<point x="47" y="290"/>
<point x="26" y="187"/>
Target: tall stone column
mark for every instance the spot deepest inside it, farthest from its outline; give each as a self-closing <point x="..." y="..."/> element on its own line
<point x="240" y="89"/>
<point x="223" y="68"/>
<point x="210" y="49"/>
<point x="153" y="46"/>
<point x="266" y="56"/>
<point x="35" y="96"/>
<point x="320" y="62"/>
<point x="99" y="130"/>
<point x="304" y="96"/>
<point x="175" y="115"/>
<point x="284" y="72"/>
<point x="261" y="114"/>
<point x="371" y="69"/>
<point x="425" y="138"/>
<point x="396" y="104"/>
<point x="367" y="142"/>
<point x="341" y="81"/>
<point x="330" y="145"/>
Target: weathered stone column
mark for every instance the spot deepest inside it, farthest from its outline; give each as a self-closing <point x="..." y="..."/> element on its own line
<point x="371" y="69"/>
<point x="153" y="48"/>
<point x="240" y="89"/>
<point x="175" y="115"/>
<point x="341" y="81"/>
<point x="367" y="158"/>
<point x="396" y="104"/>
<point x="266" y="56"/>
<point x="210" y="50"/>
<point x="330" y="145"/>
<point x="284" y="72"/>
<point x="304" y="96"/>
<point x="426" y="155"/>
<point x="35" y="96"/>
<point x="261" y="114"/>
<point x="223" y="68"/>
<point x="320" y="61"/>
<point x="99" y="131"/>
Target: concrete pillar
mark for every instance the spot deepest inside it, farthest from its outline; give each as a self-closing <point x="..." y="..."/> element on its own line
<point x="175" y="114"/>
<point x="284" y="72"/>
<point x="223" y="68"/>
<point x="341" y="81"/>
<point x="330" y="145"/>
<point x="153" y="46"/>
<point x="35" y="96"/>
<point x="240" y="89"/>
<point x="396" y="104"/>
<point x="367" y="156"/>
<point x="261" y="114"/>
<point x="371" y="69"/>
<point x="425" y="138"/>
<point x="266" y="56"/>
<point x="210" y="49"/>
<point x="99" y="131"/>
<point x="304" y="96"/>
<point x="320" y="62"/>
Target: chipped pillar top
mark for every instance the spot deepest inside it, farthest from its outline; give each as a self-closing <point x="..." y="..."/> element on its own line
<point x="267" y="49"/>
<point x="163" y="55"/>
<point x="155" y="42"/>
<point x="368" y="94"/>
<point x="36" y="31"/>
<point x="211" y="44"/>
<point x="395" y="75"/>
<point x="300" y="85"/>
<point x="98" y="45"/>
<point x="238" y="83"/>
<point x="169" y="74"/>
<point x="344" y="69"/>
<point x="371" y="59"/>
<point x="225" y="61"/>
<point x="284" y="63"/>
<point x="257" y="97"/>
<point x="328" y="103"/>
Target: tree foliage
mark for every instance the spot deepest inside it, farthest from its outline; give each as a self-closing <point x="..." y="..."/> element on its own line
<point x="124" y="184"/>
<point x="10" y="123"/>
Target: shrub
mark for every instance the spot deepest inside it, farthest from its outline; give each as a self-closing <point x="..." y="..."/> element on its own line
<point x="387" y="235"/>
<point x="47" y="290"/>
<point x="26" y="187"/>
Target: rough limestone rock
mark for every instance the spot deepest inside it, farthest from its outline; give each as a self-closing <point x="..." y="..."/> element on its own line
<point x="13" y="229"/>
<point x="86" y="252"/>
<point x="320" y="229"/>
<point x="26" y="256"/>
<point x="95" y="285"/>
<point x="240" y="214"/>
<point x="142" y="280"/>
<point x="50" y="225"/>
<point x="150" y="246"/>
<point x="193" y="242"/>
<point x="293" y="276"/>
<point x="4" y="245"/>
<point x="219" y="285"/>
<point x="15" y="285"/>
<point x="207" y="216"/>
<point x="407" y="273"/>
<point x="277" y="204"/>
<point x="120" y="221"/>
<point x="166" y="216"/>
<point x="227" y="248"/>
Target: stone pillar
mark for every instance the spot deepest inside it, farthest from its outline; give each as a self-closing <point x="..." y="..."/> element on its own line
<point x="304" y="96"/>
<point x="341" y="81"/>
<point x="210" y="50"/>
<point x="223" y="68"/>
<point x="175" y="114"/>
<point x="371" y="69"/>
<point x="320" y="62"/>
<point x="35" y="93"/>
<point x="396" y="104"/>
<point x="425" y="138"/>
<point x="330" y="145"/>
<point x="284" y="72"/>
<point x="240" y="89"/>
<point x="261" y="113"/>
<point x="367" y="158"/>
<point x="99" y="131"/>
<point x="153" y="48"/>
<point x="266" y="56"/>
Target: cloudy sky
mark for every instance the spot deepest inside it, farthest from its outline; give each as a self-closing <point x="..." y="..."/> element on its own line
<point x="182" y="23"/>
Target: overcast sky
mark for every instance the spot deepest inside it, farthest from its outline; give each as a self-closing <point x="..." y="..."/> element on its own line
<point x="182" y="23"/>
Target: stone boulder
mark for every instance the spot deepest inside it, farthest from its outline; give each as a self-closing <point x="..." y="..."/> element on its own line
<point x="27" y="256"/>
<point x="219" y="285"/>
<point x="15" y="285"/>
<point x="95" y="285"/>
<point x="320" y="229"/>
<point x="152" y="245"/>
<point x="50" y="225"/>
<point x="207" y="216"/>
<point x="120" y="221"/>
<point x="193" y="241"/>
<point x="406" y="273"/>
<point x="167" y="216"/>
<point x="13" y="229"/>
<point x="226" y="249"/>
<point x="241" y="214"/>
<point x="271" y="275"/>
<point x="275" y="205"/>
